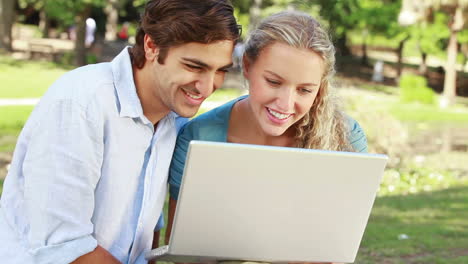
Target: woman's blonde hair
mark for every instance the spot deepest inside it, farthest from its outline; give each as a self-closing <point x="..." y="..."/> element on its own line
<point x="325" y="125"/>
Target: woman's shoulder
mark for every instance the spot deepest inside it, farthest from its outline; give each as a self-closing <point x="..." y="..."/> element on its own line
<point x="357" y="137"/>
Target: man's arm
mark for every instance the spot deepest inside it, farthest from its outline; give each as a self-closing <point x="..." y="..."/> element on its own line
<point x="97" y="256"/>
<point x="61" y="168"/>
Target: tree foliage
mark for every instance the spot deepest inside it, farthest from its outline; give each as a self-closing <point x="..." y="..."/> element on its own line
<point x="457" y="13"/>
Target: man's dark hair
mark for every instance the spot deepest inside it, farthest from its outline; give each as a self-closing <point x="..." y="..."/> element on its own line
<point x="171" y="23"/>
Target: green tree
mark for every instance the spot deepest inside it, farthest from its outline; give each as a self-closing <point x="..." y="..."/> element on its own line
<point x="366" y="17"/>
<point x="39" y="5"/>
<point x="431" y="37"/>
<point x="250" y="12"/>
<point x="112" y="12"/>
<point x="463" y="40"/>
<point x="341" y="18"/>
<point x="281" y="5"/>
<point x="375" y="18"/>
<point x="74" y="13"/>
<point x="457" y="10"/>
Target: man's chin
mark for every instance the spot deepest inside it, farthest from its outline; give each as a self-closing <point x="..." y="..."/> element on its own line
<point x="188" y="113"/>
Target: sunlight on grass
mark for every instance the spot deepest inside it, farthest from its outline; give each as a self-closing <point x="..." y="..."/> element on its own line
<point x="12" y="119"/>
<point x="380" y="88"/>
<point x="23" y="79"/>
<point x="435" y="230"/>
<point x="225" y="95"/>
<point x="428" y="113"/>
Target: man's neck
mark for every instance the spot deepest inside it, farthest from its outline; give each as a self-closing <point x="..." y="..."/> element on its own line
<point x="153" y="108"/>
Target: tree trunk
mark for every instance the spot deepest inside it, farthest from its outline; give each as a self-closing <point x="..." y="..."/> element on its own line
<point x="341" y="45"/>
<point x="450" y="81"/>
<point x="7" y="14"/>
<point x="423" y="65"/>
<point x="112" y="13"/>
<point x="365" y="58"/>
<point x="80" y="48"/>
<point x="450" y="71"/>
<point x="44" y="23"/>
<point x="401" y="45"/>
<point x="254" y="13"/>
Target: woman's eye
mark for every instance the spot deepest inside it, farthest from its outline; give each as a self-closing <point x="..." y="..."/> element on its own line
<point x="305" y="90"/>
<point x="273" y="82"/>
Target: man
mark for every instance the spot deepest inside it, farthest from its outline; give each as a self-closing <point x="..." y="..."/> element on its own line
<point x="88" y="178"/>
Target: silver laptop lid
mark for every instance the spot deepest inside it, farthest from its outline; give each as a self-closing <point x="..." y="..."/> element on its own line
<point x="250" y="202"/>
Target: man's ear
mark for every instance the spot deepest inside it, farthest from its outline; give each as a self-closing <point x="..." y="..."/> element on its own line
<point x="151" y="49"/>
<point x="245" y="66"/>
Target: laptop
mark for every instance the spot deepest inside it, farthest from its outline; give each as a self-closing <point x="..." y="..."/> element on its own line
<point x="271" y="204"/>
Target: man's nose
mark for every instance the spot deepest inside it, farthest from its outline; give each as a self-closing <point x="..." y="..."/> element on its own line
<point x="206" y="84"/>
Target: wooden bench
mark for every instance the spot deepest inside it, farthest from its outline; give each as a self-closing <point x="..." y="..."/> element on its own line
<point x="40" y="49"/>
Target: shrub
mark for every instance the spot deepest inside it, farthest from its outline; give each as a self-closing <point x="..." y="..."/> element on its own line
<point x="414" y="88"/>
<point x="385" y="134"/>
<point x="414" y="179"/>
<point x="91" y="58"/>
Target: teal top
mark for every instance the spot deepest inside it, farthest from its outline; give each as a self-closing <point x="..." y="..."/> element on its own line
<point x="213" y="126"/>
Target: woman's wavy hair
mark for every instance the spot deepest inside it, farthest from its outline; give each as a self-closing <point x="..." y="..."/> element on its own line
<point x="325" y="126"/>
<point x="171" y="23"/>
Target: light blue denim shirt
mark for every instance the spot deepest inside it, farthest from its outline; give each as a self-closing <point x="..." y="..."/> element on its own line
<point x="88" y="170"/>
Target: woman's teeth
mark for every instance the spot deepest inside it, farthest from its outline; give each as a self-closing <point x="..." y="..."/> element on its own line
<point x="278" y="115"/>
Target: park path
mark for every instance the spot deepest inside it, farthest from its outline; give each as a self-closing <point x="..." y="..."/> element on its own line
<point x="18" y="101"/>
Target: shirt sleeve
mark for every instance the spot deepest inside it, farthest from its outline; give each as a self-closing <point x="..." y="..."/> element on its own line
<point x="357" y="137"/>
<point x="178" y="160"/>
<point x="61" y="170"/>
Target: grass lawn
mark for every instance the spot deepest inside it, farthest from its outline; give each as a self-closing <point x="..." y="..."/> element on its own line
<point x="12" y="119"/>
<point x="435" y="223"/>
<point x="429" y="113"/>
<point x="225" y="95"/>
<point x="25" y="79"/>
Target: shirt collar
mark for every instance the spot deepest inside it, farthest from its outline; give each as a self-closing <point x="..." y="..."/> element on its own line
<point x="130" y="105"/>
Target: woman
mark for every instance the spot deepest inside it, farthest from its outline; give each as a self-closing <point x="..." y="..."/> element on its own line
<point x="288" y="63"/>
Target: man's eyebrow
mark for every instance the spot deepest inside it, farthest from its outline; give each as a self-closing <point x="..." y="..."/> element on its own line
<point x="197" y="62"/>
<point x="226" y="66"/>
<point x="204" y="65"/>
<point x="302" y="84"/>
